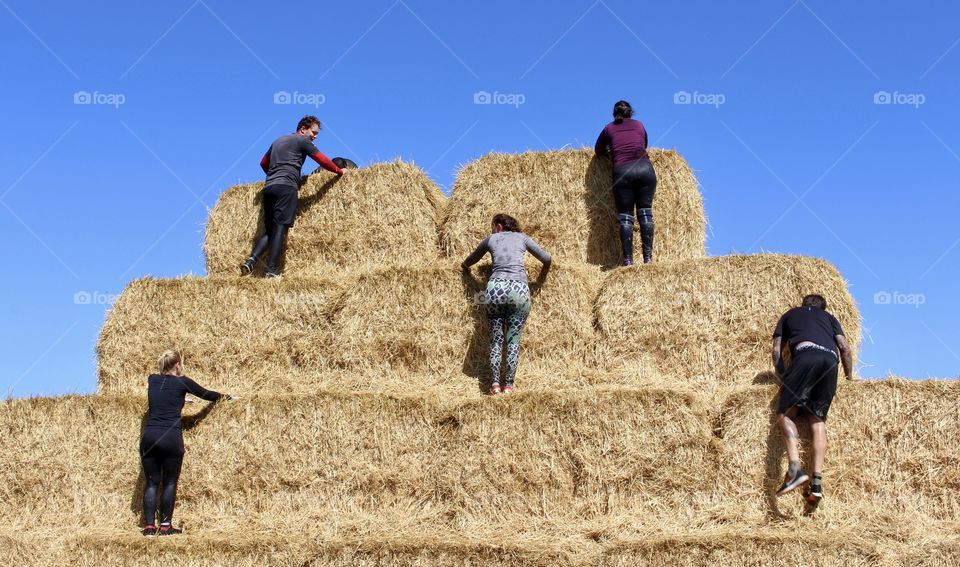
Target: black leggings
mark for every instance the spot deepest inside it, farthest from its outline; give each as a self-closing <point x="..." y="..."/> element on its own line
<point x="634" y="185"/>
<point x="161" y="453"/>
<point x="275" y="241"/>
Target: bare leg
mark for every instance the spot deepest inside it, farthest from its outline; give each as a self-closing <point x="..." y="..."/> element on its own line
<point x="790" y="436"/>
<point x="818" y="430"/>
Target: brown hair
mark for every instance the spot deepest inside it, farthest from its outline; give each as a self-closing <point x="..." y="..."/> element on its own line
<point x="621" y="111"/>
<point x="308" y="121"/>
<point x="168" y="360"/>
<point x="815" y="300"/>
<point x="508" y="223"/>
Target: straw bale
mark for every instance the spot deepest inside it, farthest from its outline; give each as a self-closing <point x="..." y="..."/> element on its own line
<point x="431" y="319"/>
<point x="426" y="548"/>
<point x="563" y="199"/>
<point x="375" y="215"/>
<point x="237" y="334"/>
<point x="367" y="329"/>
<point x="710" y="321"/>
<point x="757" y="547"/>
<point x="330" y="459"/>
<point x="891" y="455"/>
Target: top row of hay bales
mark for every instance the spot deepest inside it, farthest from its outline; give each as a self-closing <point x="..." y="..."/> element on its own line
<point x="393" y="212"/>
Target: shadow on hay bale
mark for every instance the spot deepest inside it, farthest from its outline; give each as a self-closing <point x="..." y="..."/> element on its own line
<point x="563" y="199"/>
<point x="372" y="216"/>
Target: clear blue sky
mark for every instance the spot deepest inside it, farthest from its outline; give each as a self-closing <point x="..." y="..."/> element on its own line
<point x="784" y="129"/>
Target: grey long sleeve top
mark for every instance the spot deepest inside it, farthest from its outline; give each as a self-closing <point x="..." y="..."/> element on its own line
<point x="507" y="250"/>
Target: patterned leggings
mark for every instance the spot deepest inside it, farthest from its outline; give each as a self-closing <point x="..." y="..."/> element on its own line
<point x="507" y="301"/>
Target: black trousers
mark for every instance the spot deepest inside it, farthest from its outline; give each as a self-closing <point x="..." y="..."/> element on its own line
<point x="161" y="453"/>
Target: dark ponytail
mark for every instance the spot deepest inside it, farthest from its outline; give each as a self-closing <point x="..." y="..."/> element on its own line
<point x="508" y="223"/>
<point x="621" y="111"/>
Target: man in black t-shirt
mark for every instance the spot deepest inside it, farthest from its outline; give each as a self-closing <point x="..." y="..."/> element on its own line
<point x="282" y="164"/>
<point x="817" y="345"/>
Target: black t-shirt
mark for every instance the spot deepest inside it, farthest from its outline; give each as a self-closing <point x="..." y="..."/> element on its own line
<point x="165" y="396"/>
<point x="809" y="324"/>
<point x="287" y="154"/>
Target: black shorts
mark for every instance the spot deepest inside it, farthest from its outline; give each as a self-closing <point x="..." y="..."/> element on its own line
<point x="279" y="206"/>
<point x="634" y="185"/>
<point x="810" y="382"/>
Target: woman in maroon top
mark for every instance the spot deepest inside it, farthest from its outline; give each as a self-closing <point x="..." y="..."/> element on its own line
<point x="634" y="181"/>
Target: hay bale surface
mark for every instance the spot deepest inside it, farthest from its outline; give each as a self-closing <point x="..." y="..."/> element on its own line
<point x="891" y="456"/>
<point x="563" y="199"/>
<point x="237" y="335"/>
<point x="379" y="329"/>
<point x="710" y="322"/>
<point x="741" y="547"/>
<point x="375" y="215"/>
<point x="334" y="460"/>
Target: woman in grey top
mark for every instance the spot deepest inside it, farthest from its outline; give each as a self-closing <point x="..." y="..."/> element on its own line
<point x="507" y="298"/>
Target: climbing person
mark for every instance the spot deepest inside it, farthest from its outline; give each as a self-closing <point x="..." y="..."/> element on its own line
<point x="634" y="180"/>
<point x="507" y="297"/>
<point x="817" y="345"/>
<point x="282" y="164"/>
<point x="161" y="444"/>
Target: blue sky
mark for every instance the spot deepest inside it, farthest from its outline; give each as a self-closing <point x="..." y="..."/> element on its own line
<point x="815" y="128"/>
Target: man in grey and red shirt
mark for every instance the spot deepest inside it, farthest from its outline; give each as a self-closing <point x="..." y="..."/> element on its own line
<point x="282" y="164"/>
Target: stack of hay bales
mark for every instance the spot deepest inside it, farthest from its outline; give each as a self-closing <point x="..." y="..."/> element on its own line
<point x="367" y="217"/>
<point x="710" y="321"/>
<point x="636" y="436"/>
<point x="564" y="201"/>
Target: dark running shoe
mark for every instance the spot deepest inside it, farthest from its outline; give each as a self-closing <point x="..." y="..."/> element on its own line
<point x="169" y="530"/>
<point x="791" y="484"/>
<point x="150" y="530"/>
<point x="816" y="490"/>
<point x="247" y="267"/>
<point x="272" y="275"/>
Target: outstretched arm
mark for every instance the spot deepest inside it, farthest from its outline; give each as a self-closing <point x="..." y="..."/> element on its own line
<point x="846" y="356"/>
<point x="603" y="142"/>
<point x="539" y="253"/>
<point x="777" y="349"/>
<point x="326" y="163"/>
<point x="203" y="393"/>
<point x="474" y="257"/>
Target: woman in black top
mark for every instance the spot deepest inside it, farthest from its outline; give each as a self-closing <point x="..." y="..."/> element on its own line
<point x="161" y="445"/>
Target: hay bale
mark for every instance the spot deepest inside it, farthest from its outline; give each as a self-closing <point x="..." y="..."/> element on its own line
<point x="710" y="321"/>
<point x="891" y="456"/>
<point x="436" y="549"/>
<point x="363" y="460"/>
<point x="734" y="546"/>
<point x="376" y="215"/>
<point x="371" y="329"/>
<point x="237" y="335"/>
<point x="564" y="200"/>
